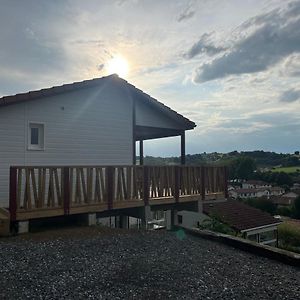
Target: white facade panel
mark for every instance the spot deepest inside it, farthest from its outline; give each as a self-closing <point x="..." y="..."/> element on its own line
<point x="148" y="116"/>
<point x="91" y="126"/>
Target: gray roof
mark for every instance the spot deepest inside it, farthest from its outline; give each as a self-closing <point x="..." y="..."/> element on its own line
<point x="65" y="88"/>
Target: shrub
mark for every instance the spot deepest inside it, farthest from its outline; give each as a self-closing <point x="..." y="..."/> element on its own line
<point x="289" y="237"/>
<point x="214" y="225"/>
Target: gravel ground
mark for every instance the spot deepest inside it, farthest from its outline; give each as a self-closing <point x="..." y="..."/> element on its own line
<point x="93" y="263"/>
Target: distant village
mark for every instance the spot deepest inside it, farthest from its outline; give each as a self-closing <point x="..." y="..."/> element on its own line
<point x="239" y="189"/>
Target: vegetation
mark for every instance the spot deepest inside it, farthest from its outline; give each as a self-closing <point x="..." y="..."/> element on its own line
<point x="215" y="225"/>
<point x="277" y="169"/>
<point x="262" y="203"/>
<point x="289" y="237"/>
<point x="276" y="178"/>
<point x="242" y="167"/>
<point x="296" y="208"/>
<point x="261" y="158"/>
<point x="294" y="169"/>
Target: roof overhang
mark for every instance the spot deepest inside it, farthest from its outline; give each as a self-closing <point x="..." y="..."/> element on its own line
<point x="261" y="227"/>
<point x="149" y="133"/>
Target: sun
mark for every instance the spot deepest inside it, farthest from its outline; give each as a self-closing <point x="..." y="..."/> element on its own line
<point x="117" y="65"/>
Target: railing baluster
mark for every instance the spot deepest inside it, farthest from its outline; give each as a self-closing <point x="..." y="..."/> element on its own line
<point x="66" y="189"/>
<point x="146" y="185"/>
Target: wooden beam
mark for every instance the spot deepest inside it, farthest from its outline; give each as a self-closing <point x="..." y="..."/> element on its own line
<point x="141" y="152"/>
<point x="183" y="148"/>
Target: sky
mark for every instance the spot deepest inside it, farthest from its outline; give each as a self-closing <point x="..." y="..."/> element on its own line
<point x="232" y="67"/>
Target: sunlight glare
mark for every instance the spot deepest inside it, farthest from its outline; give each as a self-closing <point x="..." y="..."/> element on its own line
<point x="118" y="65"/>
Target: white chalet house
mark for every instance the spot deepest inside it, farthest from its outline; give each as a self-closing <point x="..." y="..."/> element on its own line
<point x="255" y="184"/>
<point x="245" y="193"/>
<point x="93" y="122"/>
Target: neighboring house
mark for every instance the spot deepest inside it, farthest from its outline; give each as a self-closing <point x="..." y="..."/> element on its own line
<point x="282" y="201"/>
<point x="252" y="223"/>
<point x="256" y="192"/>
<point x="255" y="184"/>
<point x="249" y="193"/>
<point x="296" y="191"/>
<point x="93" y="122"/>
<point x="296" y="187"/>
<point x="276" y="191"/>
<point x="292" y="195"/>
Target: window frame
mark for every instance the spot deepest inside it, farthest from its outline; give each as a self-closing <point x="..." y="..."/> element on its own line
<point x="41" y="136"/>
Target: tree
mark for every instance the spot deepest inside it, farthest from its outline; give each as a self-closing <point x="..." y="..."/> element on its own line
<point x="263" y="204"/>
<point x="296" y="208"/>
<point x="242" y="168"/>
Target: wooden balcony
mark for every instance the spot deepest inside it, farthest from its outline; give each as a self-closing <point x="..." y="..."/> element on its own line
<point x="47" y="191"/>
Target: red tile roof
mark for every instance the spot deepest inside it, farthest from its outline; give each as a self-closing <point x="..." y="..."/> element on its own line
<point x="279" y="200"/>
<point x="40" y="94"/>
<point x="257" y="182"/>
<point x="238" y="215"/>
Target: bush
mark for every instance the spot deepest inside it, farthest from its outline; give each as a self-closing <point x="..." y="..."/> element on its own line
<point x="262" y="203"/>
<point x="289" y="237"/>
<point x="214" y="225"/>
<point x="284" y="211"/>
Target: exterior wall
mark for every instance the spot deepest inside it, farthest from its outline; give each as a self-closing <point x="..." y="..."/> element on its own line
<point x="91" y="126"/>
<point x="191" y="219"/>
<point x="148" y="116"/>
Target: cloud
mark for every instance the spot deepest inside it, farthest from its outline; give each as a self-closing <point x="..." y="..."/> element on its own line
<point x="188" y="13"/>
<point x="291" y="95"/>
<point x="204" y="45"/>
<point x="273" y="36"/>
<point x="89" y="42"/>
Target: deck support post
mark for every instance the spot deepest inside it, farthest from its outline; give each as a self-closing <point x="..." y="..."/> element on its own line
<point x="171" y="219"/>
<point x="123" y="222"/>
<point x="182" y="148"/>
<point x="146" y="217"/>
<point x="141" y="152"/>
<point x="13" y="193"/>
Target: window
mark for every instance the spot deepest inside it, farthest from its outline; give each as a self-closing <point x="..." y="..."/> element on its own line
<point x="36" y="136"/>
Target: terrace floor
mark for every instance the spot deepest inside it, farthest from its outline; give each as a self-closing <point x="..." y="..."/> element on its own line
<point x="99" y="263"/>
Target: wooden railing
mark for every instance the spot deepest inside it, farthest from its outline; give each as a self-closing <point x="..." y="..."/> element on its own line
<point x="75" y="189"/>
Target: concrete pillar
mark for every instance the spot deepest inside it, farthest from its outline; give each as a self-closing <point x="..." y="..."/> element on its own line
<point x="174" y="218"/>
<point x="147" y="216"/>
<point x="200" y="206"/>
<point x="123" y="222"/>
<point x="168" y="220"/>
<point x="23" y="227"/>
<point x="171" y="219"/>
<point x="91" y="219"/>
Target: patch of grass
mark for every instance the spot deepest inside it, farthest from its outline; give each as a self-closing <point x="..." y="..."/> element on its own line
<point x="288" y="170"/>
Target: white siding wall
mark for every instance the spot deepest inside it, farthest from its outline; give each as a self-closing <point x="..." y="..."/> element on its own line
<point x="86" y="127"/>
<point x="148" y="116"/>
